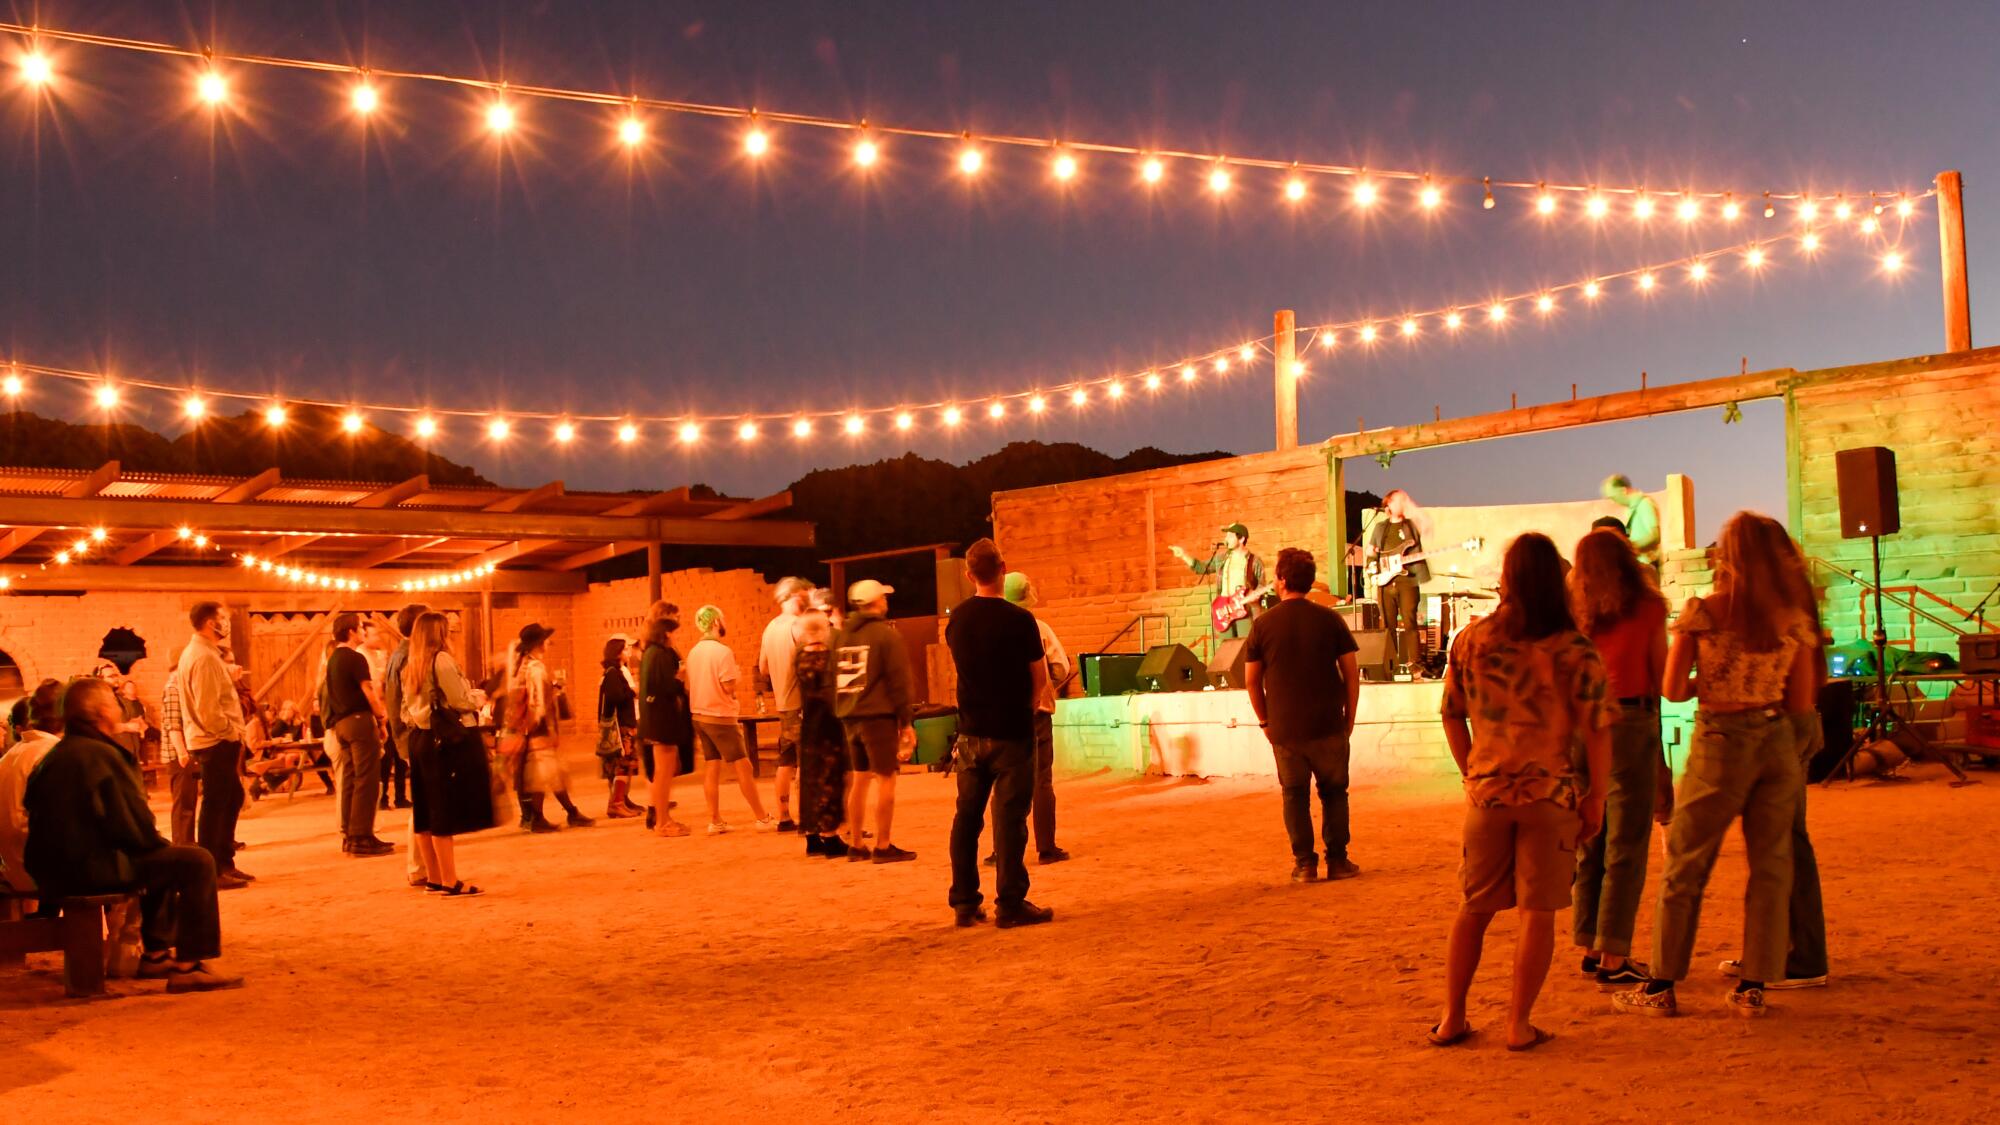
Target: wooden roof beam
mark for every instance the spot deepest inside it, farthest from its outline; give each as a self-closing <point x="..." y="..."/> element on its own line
<point x="91" y="484"/>
<point x="392" y="551"/>
<point x="751" y="509"/>
<point x="285" y="545"/>
<point x="171" y="578"/>
<point x="540" y="494"/>
<point x="651" y="505"/>
<point x="248" y="489"/>
<point x="598" y="554"/>
<point x="145" y="545"/>
<point x="396" y="493"/>
<point x="506" y="552"/>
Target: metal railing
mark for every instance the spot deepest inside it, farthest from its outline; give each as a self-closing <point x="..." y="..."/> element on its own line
<point x="1138" y="622"/>
<point x="1897" y="595"/>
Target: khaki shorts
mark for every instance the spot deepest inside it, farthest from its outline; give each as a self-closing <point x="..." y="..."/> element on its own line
<point x="1519" y="855"/>
<point x="719" y="741"/>
<point x="789" y="725"/>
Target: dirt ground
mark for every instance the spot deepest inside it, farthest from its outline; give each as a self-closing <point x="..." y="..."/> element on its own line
<point x="612" y="976"/>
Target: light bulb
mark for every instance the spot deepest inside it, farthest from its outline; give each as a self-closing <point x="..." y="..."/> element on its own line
<point x="1596" y="207"/>
<point x="1496" y="312"/>
<point x="1430" y="197"/>
<point x="904" y="420"/>
<point x="499" y="117"/>
<point x="1809" y="243"/>
<point x="1037" y="404"/>
<point x="1367" y="333"/>
<point x="1295" y="189"/>
<point x="498" y="429"/>
<point x="364" y="98"/>
<point x="631" y="132"/>
<point x="1298" y="370"/>
<point x="11" y="386"/>
<point x="1078" y="397"/>
<point x="426" y="427"/>
<point x="1328" y="338"/>
<point x="1409" y="326"/>
<point x="36" y="69"/>
<point x="802" y="428"/>
<point x="1152" y="170"/>
<point x="1732" y="211"/>
<point x="1189" y="373"/>
<point x="1808" y="210"/>
<point x="1689" y="210"/>
<point x="107" y="397"/>
<point x="1698" y="271"/>
<point x="1646" y="281"/>
<point x="1152" y="380"/>
<point x="275" y="416"/>
<point x="627" y="433"/>
<point x="1545" y="203"/>
<point x="1115" y="390"/>
<point x="689" y="433"/>
<point x="1222" y="365"/>
<point x="996" y="410"/>
<point x="756" y="142"/>
<point x="1364" y="194"/>
<point x="1545" y="304"/>
<point x="1906" y="208"/>
<point x="1754" y="258"/>
<point x="1454" y="320"/>
<point x="1892" y="262"/>
<point x="1870" y="225"/>
<point x="866" y="154"/>
<point x="1218" y="181"/>
<point x="194" y="407"/>
<point x="1643" y="207"/>
<point x="351" y="422"/>
<point x="212" y="88"/>
<point x="1064" y="167"/>
<point x="970" y="160"/>
<point x="1246" y="353"/>
<point x="953" y="415"/>
<point x="565" y="432"/>
<point x="1843" y="211"/>
<point x="747" y="431"/>
<point x="99" y="535"/>
<point x="853" y="424"/>
<point x="1591" y="289"/>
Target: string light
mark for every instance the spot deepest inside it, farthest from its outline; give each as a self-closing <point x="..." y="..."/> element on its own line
<point x="1698" y="272"/>
<point x="1453" y="320"/>
<point x="970" y="160"/>
<point x="1152" y="170"/>
<point x="1808" y="211"/>
<point x="212" y="88"/>
<point x="1409" y="326"/>
<point x="689" y="433"/>
<point x="1545" y="304"/>
<point x="1115" y="391"/>
<point x="1367" y="333"/>
<point x="194" y="407"/>
<point x="1642" y="208"/>
<point x="499" y="117"/>
<point x="1905" y="209"/>
<point x="756" y="142"/>
<point x="1496" y="312"/>
<point x="1843" y="210"/>
<point x="1222" y="365"/>
<point x="1295" y="189"/>
<point x="904" y="420"/>
<point x="627" y="433"/>
<point x="1731" y="210"/>
<point x="1544" y="202"/>
<point x="632" y="132"/>
<point x="1870" y="225"/>
<point x="1596" y="207"/>
<point x="565" y="433"/>
<point x="1247" y="353"/>
<point x="1189" y="373"/>
<point x="747" y="431"/>
<point x="853" y="425"/>
<point x="364" y="99"/>
<point x="1809" y="243"/>
<point x="1036" y="404"/>
<point x="275" y="416"/>
<point x="802" y="428"/>
<point x="1892" y="262"/>
<point x="351" y="422"/>
<point x="1364" y="194"/>
<point x="1328" y="338"/>
<point x="426" y="427"/>
<point x="1646" y="281"/>
<point x="1688" y="210"/>
<point x="866" y="153"/>
<point x="1064" y="167"/>
<point x="1754" y="258"/>
<point x="11" y="386"/>
<point x="1430" y="196"/>
<point x="498" y="429"/>
<point x="107" y="397"/>
<point x="36" y="69"/>
<point x="1218" y="180"/>
<point x="1590" y="290"/>
<point x="953" y="415"/>
<point x="1152" y="381"/>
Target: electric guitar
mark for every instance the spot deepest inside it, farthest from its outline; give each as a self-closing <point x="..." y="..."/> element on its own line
<point x="1228" y="609"/>
<point x="1385" y="568"/>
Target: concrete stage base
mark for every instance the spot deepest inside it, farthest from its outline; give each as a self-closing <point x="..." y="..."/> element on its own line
<point x="1215" y="734"/>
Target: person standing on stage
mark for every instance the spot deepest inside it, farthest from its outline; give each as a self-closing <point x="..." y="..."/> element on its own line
<point x="1304" y="681"/>
<point x="1021" y="592"/>
<point x="1642" y="517"/>
<point x="777" y="657"/>
<point x="1400" y="531"/>
<point x="1002" y="671"/>
<point x="1237" y="571"/>
<point x="1620" y="609"/>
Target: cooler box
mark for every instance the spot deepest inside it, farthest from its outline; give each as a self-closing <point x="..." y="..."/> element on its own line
<point x="936" y="727"/>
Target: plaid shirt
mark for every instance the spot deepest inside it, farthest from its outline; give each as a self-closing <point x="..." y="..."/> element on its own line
<point x="170" y="714"/>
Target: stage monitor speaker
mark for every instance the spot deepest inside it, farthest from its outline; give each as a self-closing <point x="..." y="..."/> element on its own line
<point x="1111" y="673"/>
<point x="1226" y="670"/>
<point x="1979" y="652"/>
<point x="1867" y="483"/>
<point x="1372" y="651"/>
<point x="1360" y="615"/>
<point x="1172" y="668"/>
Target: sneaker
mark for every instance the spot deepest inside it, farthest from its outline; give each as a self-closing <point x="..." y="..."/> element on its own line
<point x="201" y="978"/>
<point x="1053" y="855"/>
<point x="1624" y="976"/>
<point x="1306" y="873"/>
<point x="717" y="828"/>
<point x="1024" y="913"/>
<point x="766" y="824"/>
<point x="788" y="825"/>
<point x="890" y="853"/>
<point x="968" y="916"/>
<point x="1590" y="966"/>
<point x="1640" y="1002"/>
<point x="240" y="874"/>
<point x="833" y="847"/>
<point x="858" y="854"/>
<point x="1734" y="968"/>
<point x="224" y="881"/>
<point x="542" y="826"/>
<point x="369" y="846"/>
<point x="1345" y="869"/>
<point x="1745" y="1002"/>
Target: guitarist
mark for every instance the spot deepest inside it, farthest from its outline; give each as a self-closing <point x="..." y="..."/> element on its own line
<point x="1399" y="532"/>
<point x="1236" y="570"/>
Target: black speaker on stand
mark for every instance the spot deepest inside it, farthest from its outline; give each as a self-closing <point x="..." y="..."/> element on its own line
<point x="1869" y="508"/>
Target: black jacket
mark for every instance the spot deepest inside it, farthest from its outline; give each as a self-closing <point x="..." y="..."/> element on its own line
<point x="87" y="817"/>
<point x="663" y="701"/>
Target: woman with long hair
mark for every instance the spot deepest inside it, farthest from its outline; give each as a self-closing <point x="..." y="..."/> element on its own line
<point x="1620" y="609"/>
<point x="531" y="716"/>
<point x="666" y="726"/>
<point x="618" y="729"/>
<point x="448" y="773"/>
<point x="1527" y="721"/>
<point x="1746" y="654"/>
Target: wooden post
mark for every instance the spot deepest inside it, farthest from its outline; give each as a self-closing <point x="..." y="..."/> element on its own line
<point x="652" y="573"/>
<point x="1285" y="377"/>
<point x="1951" y="250"/>
<point x="1336" y="526"/>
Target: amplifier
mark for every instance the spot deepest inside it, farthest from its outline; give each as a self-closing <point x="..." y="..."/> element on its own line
<point x="1111" y="673"/>
<point x="1979" y="652"/>
<point x="1360" y="615"/>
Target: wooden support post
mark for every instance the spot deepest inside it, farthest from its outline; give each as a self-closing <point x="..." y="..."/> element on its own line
<point x="1286" y="378"/>
<point x="652" y="573"/>
<point x="1336" y="526"/>
<point x="1951" y="250"/>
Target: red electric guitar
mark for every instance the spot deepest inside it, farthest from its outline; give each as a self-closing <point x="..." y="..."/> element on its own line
<point x="1228" y="609"/>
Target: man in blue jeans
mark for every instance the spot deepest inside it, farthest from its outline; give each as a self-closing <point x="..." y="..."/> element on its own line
<point x="997" y="648"/>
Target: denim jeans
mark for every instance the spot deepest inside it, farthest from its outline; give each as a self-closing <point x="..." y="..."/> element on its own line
<point x="1045" y="782"/>
<point x="1611" y="869"/>
<point x="358" y="774"/>
<point x="184" y="780"/>
<point x="1300" y="764"/>
<point x="1739" y="764"/>
<point x="1808" y="914"/>
<point x="221" y="801"/>
<point x="999" y="772"/>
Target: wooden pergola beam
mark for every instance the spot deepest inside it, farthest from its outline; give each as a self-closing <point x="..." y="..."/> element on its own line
<point x="148" y="544"/>
<point x="751" y="509"/>
<point x="98" y="577"/>
<point x="250" y="489"/>
<point x="603" y="553"/>
<point x="284" y="545"/>
<point x="520" y="501"/>
<point x="648" y="505"/>
<point x="506" y="552"/>
<point x="390" y="552"/>
<point x="91" y="484"/>
<point x="276" y="519"/>
<point x="396" y="493"/>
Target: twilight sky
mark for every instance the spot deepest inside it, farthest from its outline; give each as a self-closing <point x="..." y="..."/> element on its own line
<point x="282" y="251"/>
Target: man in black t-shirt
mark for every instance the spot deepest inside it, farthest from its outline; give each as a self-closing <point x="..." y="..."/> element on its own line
<point x="1304" y="681"/>
<point x="354" y="715"/>
<point x="998" y="652"/>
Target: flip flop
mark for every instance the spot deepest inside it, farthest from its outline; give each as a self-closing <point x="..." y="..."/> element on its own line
<point x="1540" y="1038"/>
<point x="1437" y="1040"/>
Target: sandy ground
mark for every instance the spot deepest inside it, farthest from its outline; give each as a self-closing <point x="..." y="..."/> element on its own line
<point x="617" y="977"/>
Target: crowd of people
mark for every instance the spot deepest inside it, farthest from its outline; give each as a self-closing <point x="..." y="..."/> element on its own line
<point x="1551" y="709"/>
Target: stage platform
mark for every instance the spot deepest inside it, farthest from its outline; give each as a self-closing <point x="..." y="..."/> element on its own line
<point x="1397" y="737"/>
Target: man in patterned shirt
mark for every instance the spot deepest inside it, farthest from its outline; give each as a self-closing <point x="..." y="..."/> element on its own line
<point x="185" y="781"/>
<point x="1524" y="708"/>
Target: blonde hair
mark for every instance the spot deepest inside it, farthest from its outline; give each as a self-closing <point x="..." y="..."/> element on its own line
<point x="428" y="637"/>
<point x="1756" y="581"/>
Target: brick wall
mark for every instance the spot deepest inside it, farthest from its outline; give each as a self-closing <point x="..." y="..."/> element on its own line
<point x="1941" y="416"/>
<point x="620" y="607"/>
<point x="59" y="636"/>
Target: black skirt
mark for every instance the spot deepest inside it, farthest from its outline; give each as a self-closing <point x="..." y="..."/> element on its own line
<point x="451" y="789"/>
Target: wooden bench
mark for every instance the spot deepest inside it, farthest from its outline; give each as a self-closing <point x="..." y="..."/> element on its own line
<point x="77" y="932"/>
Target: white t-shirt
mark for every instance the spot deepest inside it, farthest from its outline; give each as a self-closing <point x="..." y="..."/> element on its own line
<point x="777" y="658"/>
<point x="711" y="680"/>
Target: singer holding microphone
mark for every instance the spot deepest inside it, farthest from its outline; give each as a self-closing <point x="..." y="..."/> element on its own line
<point x="1237" y="573"/>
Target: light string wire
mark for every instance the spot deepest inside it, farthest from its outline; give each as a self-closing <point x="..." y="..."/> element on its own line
<point x="99" y="541"/>
<point x="1696" y="268"/>
<point x="758" y="115"/>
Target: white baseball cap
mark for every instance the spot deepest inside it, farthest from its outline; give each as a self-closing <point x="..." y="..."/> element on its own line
<point x="867" y="590"/>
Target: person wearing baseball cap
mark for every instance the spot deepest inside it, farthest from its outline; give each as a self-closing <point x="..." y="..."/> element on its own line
<point x="777" y="672"/>
<point x="711" y="680"/>
<point x="876" y="699"/>
<point x="1021" y="592"/>
<point x="1238" y="573"/>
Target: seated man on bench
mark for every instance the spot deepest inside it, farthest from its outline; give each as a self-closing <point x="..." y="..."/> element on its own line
<point x="90" y="832"/>
<point x="44" y="729"/>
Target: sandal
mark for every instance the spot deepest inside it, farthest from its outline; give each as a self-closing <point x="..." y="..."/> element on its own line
<point x="461" y="889"/>
<point x="1540" y="1038"/>
<point x="1437" y="1040"/>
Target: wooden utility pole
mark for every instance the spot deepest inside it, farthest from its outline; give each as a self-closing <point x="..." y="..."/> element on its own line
<point x="1951" y="252"/>
<point x="1285" y="377"/>
<point x="652" y="574"/>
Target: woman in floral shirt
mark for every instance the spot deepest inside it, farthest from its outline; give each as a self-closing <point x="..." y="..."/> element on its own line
<point x="1527" y="720"/>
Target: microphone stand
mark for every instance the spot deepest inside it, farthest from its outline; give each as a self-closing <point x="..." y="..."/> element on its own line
<point x="1979" y="611"/>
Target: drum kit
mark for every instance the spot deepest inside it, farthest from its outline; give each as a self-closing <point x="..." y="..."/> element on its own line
<point x="1456" y="611"/>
